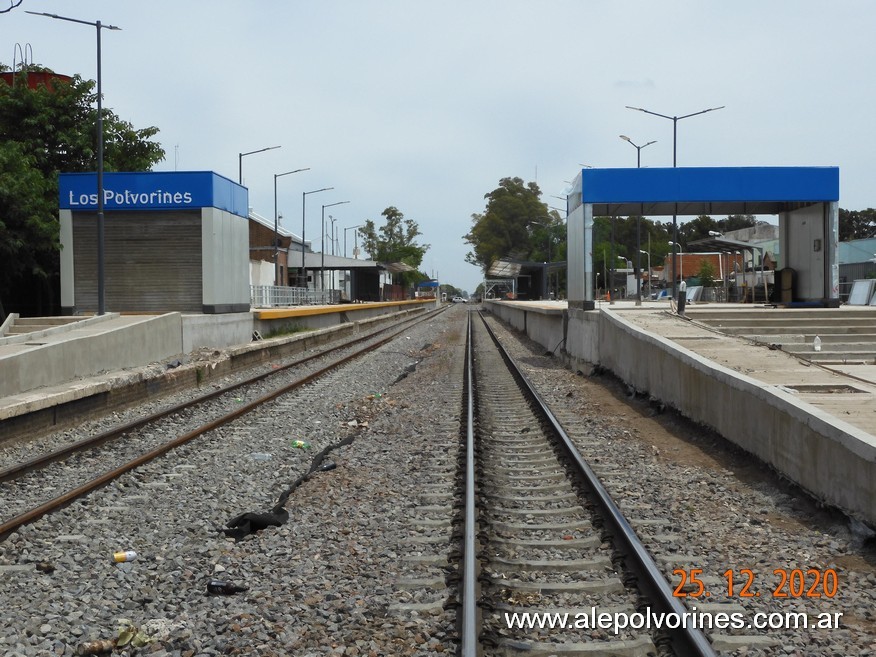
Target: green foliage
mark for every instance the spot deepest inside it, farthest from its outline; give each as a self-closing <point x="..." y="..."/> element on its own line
<point x="857" y="224"/>
<point x="509" y="227"/>
<point x="706" y="273"/>
<point x="285" y="329"/>
<point x="44" y="132"/>
<point x="452" y="291"/>
<point x="395" y="241"/>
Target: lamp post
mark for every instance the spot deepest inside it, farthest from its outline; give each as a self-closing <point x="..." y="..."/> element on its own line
<point x="675" y="120"/>
<point x="101" y="276"/>
<point x="276" y="228"/>
<point x="649" y="273"/>
<point x="638" y="149"/>
<point x="303" y="206"/>
<point x="240" y="157"/>
<point x="345" y="236"/>
<point x="545" y="288"/>
<point x="627" y="265"/>
<point x="638" y="221"/>
<point x="681" y="267"/>
<point x="322" y="261"/>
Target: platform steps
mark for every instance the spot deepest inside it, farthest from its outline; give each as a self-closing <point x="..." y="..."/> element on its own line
<point x="846" y="336"/>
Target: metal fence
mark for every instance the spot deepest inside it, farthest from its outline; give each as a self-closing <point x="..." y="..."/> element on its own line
<point x="273" y="296"/>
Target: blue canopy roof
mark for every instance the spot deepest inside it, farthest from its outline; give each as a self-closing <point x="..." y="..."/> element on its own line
<point x="702" y="190"/>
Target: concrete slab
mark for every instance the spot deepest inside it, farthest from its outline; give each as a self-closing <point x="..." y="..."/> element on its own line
<point x="827" y="387"/>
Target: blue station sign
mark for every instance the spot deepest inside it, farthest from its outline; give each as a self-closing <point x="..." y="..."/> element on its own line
<point x="151" y="190"/>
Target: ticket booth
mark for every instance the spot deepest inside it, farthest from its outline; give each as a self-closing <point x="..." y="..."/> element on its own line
<point x="174" y="241"/>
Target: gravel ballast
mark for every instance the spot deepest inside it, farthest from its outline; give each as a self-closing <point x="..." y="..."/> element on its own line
<point x="335" y="579"/>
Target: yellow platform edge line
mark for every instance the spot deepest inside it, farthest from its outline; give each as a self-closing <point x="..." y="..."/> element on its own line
<point x="308" y="311"/>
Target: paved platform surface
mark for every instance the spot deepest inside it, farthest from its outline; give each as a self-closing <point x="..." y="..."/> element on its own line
<point x="66" y="342"/>
<point x="846" y="391"/>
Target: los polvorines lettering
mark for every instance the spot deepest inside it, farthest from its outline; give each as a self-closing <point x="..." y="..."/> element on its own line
<point x="158" y="197"/>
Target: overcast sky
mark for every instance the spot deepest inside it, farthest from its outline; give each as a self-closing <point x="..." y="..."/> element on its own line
<point x="427" y="105"/>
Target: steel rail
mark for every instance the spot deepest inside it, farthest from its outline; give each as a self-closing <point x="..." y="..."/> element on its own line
<point x="685" y="640"/>
<point x="469" y="633"/>
<point x="43" y="460"/>
<point x="62" y="500"/>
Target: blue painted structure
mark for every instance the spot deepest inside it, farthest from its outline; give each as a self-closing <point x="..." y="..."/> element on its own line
<point x="805" y="199"/>
<point x="154" y="190"/>
<point x="176" y="241"/>
<point x="704" y="190"/>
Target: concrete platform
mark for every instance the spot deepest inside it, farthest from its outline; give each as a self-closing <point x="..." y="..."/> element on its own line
<point x="64" y="369"/>
<point x="814" y="421"/>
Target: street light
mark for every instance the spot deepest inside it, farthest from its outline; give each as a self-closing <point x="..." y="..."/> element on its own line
<point x="638" y="221"/>
<point x="649" y="273"/>
<point x="322" y="262"/>
<point x="675" y="120"/>
<point x="345" y="236"/>
<point x="638" y="149"/>
<point x="303" y="206"/>
<point x="681" y="267"/>
<point x="240" y="157"/>
<point x="276" y="228"/>
<point x="545" y="287"/>
<point x="101" y="278"/>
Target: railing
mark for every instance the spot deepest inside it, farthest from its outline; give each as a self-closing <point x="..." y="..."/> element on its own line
<point x="273" y="296"/>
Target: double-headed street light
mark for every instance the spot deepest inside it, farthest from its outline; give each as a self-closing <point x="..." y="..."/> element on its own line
<point x="638" y="221"/>
<point x="303" y="206"/>
<point x="322" y="262"/>
<point x="101" y="278"/>
<point x="675" y="120"/>
<point x="638" y="149"/>
<point x="276" y="227"/>
<point x="240" y="157"/>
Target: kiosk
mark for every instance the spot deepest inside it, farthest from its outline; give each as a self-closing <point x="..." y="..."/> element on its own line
<point x="174" y="241"/>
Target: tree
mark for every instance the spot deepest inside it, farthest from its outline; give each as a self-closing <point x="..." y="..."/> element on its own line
<point x="706" y="273"/>
<point x="736" y="222"/>
<point x="505" y="229"/>
<point x="45" y="131"/>
<point x="395" y="241"/>
<point x="856" y="224"/>
<point x="697" y="229"/>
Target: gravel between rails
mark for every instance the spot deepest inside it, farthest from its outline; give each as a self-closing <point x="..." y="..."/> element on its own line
<point x="699" y="502"/>
<point x="324" y="583"/>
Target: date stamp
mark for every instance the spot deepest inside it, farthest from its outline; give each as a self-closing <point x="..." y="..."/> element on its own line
<point x="744" y="583"/>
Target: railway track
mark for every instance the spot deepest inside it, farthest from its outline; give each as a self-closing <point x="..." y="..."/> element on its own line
<point x="135" y="443"/>
<point x="543" y="539"/>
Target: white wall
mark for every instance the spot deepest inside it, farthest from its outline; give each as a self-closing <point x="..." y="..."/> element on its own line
<point x="225" y="257"/>
<point x="261" y="272"/>
<point x="68" y="299"/>
<point x="578" y="282"/>
<point x="804" y="237"/>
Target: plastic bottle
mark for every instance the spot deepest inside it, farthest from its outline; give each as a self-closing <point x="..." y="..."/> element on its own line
<point x="221" y="587"/>
<point x="816" y="343"/>
<point x="126" y="555"/>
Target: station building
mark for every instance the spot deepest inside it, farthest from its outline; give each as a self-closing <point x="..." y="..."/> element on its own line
<point x="189" y="242"/>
